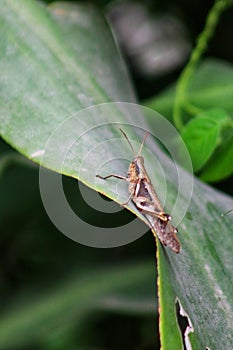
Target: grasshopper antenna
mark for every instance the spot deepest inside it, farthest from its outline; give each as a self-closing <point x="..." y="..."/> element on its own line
<point x="131" y="146"/>
<point x="126" y="137"/>
<point x="143" y="141"/>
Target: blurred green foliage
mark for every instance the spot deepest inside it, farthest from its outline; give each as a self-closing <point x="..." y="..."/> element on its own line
<point x="59" y="295"/>
<point x="63" y="290"/>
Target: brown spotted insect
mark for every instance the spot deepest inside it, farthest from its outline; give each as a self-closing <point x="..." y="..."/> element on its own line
<point x="145" y="198"/>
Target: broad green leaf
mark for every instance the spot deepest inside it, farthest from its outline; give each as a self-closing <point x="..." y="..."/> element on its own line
<point x="202" y="271"/>
<point x="52" y="65"/>
<point x="48" y="78"/>
<point x="202" y="135"/>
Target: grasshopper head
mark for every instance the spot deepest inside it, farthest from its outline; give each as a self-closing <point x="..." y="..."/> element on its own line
<point x="139" y="164"/>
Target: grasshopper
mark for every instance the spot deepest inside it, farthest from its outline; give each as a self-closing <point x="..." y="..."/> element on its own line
<point x="145" y="198"/>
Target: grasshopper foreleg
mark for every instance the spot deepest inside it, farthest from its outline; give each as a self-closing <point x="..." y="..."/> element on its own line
<point x="112" y="175"/>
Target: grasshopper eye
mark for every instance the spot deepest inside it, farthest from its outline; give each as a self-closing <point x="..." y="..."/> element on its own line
<point x="167" y="216"/>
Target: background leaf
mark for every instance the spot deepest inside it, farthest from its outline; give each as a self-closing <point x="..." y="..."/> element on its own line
<point x="210" y="86"/>
<point x="77" y="300"/>
<point x="220" y="166"/>
<point x="202" y="135"/>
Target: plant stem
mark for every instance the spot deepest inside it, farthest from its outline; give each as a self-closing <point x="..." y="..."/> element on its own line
<point x="201" y="46"/>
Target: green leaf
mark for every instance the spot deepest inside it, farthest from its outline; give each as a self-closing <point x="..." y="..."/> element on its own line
<point x="210" y="87"/>
<point x="220" y="165"/>
<point x="163" y="103"/>
<point x="54" y="64"/>
<point x="202" y="135"/>
<point x="200" y="276"/>
<point x="170" y="336"/>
